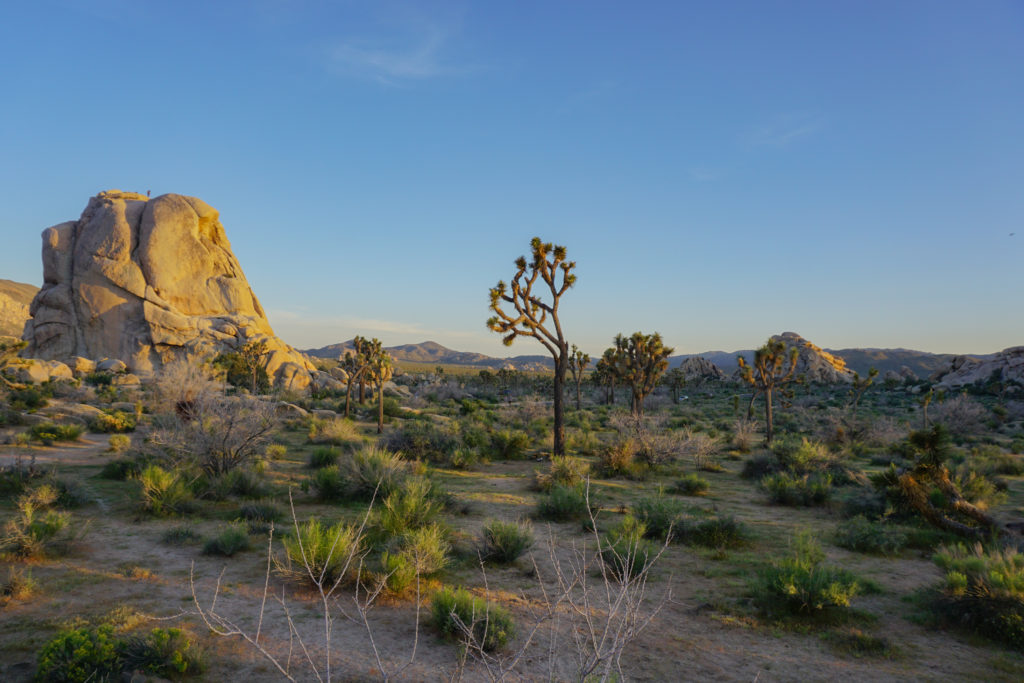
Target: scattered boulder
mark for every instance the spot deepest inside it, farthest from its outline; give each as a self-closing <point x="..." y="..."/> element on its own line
<point x="149" y="281"/>
<point x="290" y="410"/>
<point x="111" y="365"/>
<point x="81" y="366"/>
<point x="324" y="414"/>
<point x="29" y="372"/>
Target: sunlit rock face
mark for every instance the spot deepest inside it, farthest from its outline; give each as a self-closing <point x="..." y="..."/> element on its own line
<point x="814" y="363"/>
<point x="1006" y="366"/>
<point x="149" y="281"/>
<point x="696" y="369"/>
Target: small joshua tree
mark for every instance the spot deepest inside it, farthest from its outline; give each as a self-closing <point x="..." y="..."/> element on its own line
<point x="578" y="362"/>
<point x="859" y="387"/>
<point x="768" y="373"/>
<point x="640" y="361"/>
<point x="535" y="318"/>
<point x="252" y="356"/>
<point x="355" y="367"/>
<point x="675" y="378"/>
<point x="605" y="373"/>
<point x="362" y="347"/>
<point x="380" y="369"/>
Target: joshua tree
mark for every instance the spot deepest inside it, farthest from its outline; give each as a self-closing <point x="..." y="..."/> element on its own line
<point x="536" y="318"/>
<point x="361" y="346"/>
<point x="252" y="355"/>
<point x="768" y="374"/>
<point x="380" y="369"/>
<point x="639" y="361"/>
<point x="925" y="400"/>
<point x="675" y="378"/>
<point x="859" y="387"/>
<point x="355" y="367"/>
<point x="604" y="374"/>
<point x="578" y="362"/>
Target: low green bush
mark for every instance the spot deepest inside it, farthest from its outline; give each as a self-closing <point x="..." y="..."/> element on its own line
<point x="504" y="542"/>
<point x="800" y="586"/>
<point x="796" y="490"/>
<point x="164" y="493"/>
<point x="114" y="422"/>
<point x="716" y="533"/>
<point x="119" y="443"/>
<point x="864" y="536"/>
<point x="509" y="444"/>
<point x="624" y="551"/>
<point x="233" y="539"/>
<point x="983" y="591"/>
<point x="165" y="652"/>
<point x="412" y="506"/>
<point x="661" y="517"/>
<point x="323" y="456"/>
<point x="564" y="470"/>
<point x="79" y="655"/>
<point x="691" y="484"/>
<point x="563" y="504"/>
<point x="122" y="469"/>
<point x="460" y="616"/>
<point x="321" y="552"/>
<point x="48" y="433"/>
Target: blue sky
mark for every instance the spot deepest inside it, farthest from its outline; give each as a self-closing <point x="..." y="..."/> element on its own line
<point x="720" y="172"/>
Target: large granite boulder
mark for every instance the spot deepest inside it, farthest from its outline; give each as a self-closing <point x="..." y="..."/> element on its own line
<point x="814" y="363"/>
<point x="15" y="298"/>
<point x="149" y="281"/>
<point x="699" y="369"/>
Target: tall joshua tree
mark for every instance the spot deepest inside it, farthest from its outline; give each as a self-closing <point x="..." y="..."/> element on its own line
<point x="252" y="356"/>
<point x="860" y="385"/>
<point x="640" y="361"/>
<point x="675" y="378"/>
<point x="578" y="362"/>
<point x="362" y="347"/>
<point x="380" y="369"/>
<point x="534" y="317"/>
<point x="769" y="372"/>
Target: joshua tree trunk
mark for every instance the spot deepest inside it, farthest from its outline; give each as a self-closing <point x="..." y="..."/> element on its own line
<point x="362" y="391"/>
<point x="561" y="367"/>
<point x="769" y="432"/>
<point x="380" y="408"/>
<point x="577" y="395"/>
<point x="750" y="406"/>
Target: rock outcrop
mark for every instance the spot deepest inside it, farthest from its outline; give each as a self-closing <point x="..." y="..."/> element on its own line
<point x="815" y="364"/>
<point x="15" y="298"/>
<point x="149" y="281"/>
<point x="698" y="369"/>
<point x="1006" y="366"/>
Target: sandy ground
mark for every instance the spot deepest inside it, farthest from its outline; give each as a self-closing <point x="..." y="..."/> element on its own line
<point x="705" y="630"/>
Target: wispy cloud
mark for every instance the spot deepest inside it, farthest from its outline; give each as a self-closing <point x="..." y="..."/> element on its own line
<point x="417" y="50"/>
<point x="785" y="130"/>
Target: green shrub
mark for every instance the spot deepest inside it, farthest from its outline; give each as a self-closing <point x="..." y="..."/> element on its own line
<point x="399" y="571"/>
<point x="565" y="470"/>
<point x="623" y="550"/>
<point x="122" y="469"/>
<point x="425" y="549"/>
<point x="370" y="467"/>
<point x="99" y="379"/>
<point x="563" y="503"/>
<point x="983" y="591"/>
<point x="114" y="422"/>
<point x="464" y="458"/>
<point x="335" y="432"/>
<point x="260" y="512"/>
<point x="864" y="536"/>
<point x="275" y="451"/>
<point x="37" y="529"/>
<point x="456" y="614"/>
<point x="509" y="444"/>
<point x="79" y="655"/>
<point x="119" y="443"/>
<point x="165" y="652"/>
<point x="661" y="517"/>
<point x="16" y="477"/>
<point x="801" y="586"/>
<point x="233" y="539"/>
<point x="794" y="490"/>
<point x="691" y="484"/>
<point x="760" y="466"/>
<point x="422" y="440"/>
<point x="619" y="458"/>
<point x="19" y="585"/>
<point x="181" y="535"/>
<point x="716" y="533"/>
<point x="504" y="542"/>
<point x="28" y="398"/>
<point x="321" y="552"/>
<point x="240" y="483"/>
<point x="47" y="433"/>
<point x="164" y="493"/>
<point x="323" y="456"/>
<point x="411" y="507"/>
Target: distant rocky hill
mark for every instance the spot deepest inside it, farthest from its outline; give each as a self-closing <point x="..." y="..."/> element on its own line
<point x="15" y="299"/>
<point x="149" y="281"/>
<point x="432" y="352"/>
<point x="1005" y="366"/>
